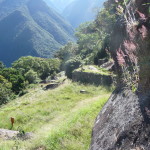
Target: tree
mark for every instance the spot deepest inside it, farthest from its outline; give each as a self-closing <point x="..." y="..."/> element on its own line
<point x="31" y="76"/>
<point x="88" y="40"/>
<point x="2" y="66"/>
<point x="5" y="90"/>
<point x="66" y="52"/>
<point x="71" y="65"/>
<point x="15" y="77"/>
<point x="42" y="66"/>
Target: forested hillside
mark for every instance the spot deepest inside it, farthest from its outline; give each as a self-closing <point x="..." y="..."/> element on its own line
<point x="24" y="71"/>
<point x="30" y="27"/>
<point x="79" y="11"/>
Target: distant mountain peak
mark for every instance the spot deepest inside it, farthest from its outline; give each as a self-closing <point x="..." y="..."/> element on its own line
<point x="80" y="11"/>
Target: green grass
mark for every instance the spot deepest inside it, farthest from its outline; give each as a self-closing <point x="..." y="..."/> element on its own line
<point x="61" y="119"/>
<point x="99" y="70"/>
<point x="75" y="133"/>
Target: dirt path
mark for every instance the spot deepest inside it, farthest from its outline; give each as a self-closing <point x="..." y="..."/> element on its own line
<point x="46" y="129"/>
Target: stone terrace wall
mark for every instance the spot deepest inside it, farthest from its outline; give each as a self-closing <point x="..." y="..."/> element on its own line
<point x="92" y="78"/>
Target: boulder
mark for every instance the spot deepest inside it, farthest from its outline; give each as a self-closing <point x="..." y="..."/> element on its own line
<point x="92" y="68"/>
<point x="102" y="61"/>
<point x="108" y="65"/>
<point x="13" y="135"/>
<point x="83" y="91"/>
<point x="51" y="86"/>
<point x="123" y="123"/>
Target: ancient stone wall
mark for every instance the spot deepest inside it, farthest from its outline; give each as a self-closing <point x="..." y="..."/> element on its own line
<point x="92" y="78"/>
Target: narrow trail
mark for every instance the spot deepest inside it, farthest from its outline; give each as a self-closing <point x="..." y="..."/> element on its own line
<point x="86" y="102"/>
<point x="46" y="130"/>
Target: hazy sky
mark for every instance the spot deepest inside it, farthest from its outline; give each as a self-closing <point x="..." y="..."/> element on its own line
<point x="59" y="4"/>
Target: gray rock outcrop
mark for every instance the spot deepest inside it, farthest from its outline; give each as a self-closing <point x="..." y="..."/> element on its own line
<point x="123" y="123"/>
<point x="13" y="135"/>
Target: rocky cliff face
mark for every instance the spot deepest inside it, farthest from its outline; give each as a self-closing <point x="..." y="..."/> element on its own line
<point x="130" y="44"/>
<point x="124" y="122"/>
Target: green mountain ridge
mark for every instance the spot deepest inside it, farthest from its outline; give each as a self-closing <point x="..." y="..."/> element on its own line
<point x="79" y="11"/>
<point x="31" y="28"/>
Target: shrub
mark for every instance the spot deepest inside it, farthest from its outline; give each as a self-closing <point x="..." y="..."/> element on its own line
<point x="15" y="77"/>
<point x="2" y="66"/>
<point x="5" y="90"/>
<point x="42" y="66"/>
<point x="31" y="76"/>
<point x="71" y="65"/>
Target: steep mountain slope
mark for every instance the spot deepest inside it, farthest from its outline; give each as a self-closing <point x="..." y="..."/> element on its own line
<point x="30" y="27"/>
<point x="60" y="4"/>
<point x="81" y="11"/>
<point x="51" y="4"/>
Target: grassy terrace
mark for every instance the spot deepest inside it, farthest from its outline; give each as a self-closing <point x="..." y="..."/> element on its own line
<point x="96" y="70"/>
<point x="61" y="119"/>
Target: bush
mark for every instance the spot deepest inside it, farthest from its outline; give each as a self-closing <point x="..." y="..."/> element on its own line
<point x="5" y="90"/>
<point x="15" y="77"/>
<point x="31" y="76"/>
<point x="71" y="65"/>
<point x="44" y="67"/>
<point x="2" y="66"/>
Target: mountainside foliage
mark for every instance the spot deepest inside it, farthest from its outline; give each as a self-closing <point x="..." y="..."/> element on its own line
<point x="93" y="42"/>
<point x="30" y="27"/>
<point x="24" y="71"/>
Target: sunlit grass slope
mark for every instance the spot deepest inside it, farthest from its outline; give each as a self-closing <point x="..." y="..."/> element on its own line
<point x="60" y="119"/>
